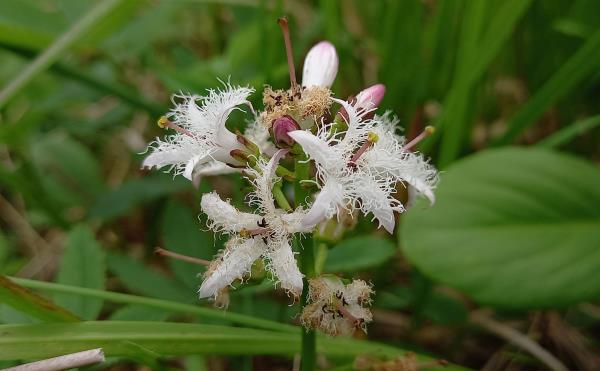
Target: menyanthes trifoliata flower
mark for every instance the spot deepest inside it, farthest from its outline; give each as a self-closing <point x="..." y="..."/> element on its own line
<point x="358" y="168"/>
<point x="266" y="234"/>
<point x="335" y="308"/>
<point x="201" y="141"/>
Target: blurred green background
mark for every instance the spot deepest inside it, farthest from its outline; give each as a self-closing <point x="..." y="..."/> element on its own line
<point x="515" y="229"/>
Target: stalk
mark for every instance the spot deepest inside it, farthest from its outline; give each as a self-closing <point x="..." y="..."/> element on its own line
<point x="307" y="264"/>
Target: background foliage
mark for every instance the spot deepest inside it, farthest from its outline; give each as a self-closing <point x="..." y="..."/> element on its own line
<point x="512" y="87"/>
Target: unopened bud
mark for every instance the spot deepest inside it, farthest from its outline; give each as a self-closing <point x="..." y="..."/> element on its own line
<point x="253" y="148"/>
<point x="280" y="129"/>
<point x="367" y="100"/>
<point x="370" y="98"/>
<point x="243" y="157"/>
<point x="320" y="65"/>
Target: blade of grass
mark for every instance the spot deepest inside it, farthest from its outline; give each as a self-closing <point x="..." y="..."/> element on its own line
<point x="124" y="93"/>
<point x="32" y="304"/>
<point x="54" y="51"/>
<point x="583" y="63"/>
<point x="471" y="65"/>
<point x="566" y="134"/>
<point x="170" y="339"/>
<point x="171" y="306"/>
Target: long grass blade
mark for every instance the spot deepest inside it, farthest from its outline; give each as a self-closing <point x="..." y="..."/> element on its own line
<point x="32" y="304"/>
<point x="79" y="30"/>
<point x="583" y="63"/>
<point x="170" y="339"/>
<point x="472" y="63"/>
<point x="568" y="133"/>
<point x="171" y="306"/>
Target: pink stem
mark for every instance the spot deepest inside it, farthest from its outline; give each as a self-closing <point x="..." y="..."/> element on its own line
<point x="283" y="23"/>
<point x="424" y="134"/>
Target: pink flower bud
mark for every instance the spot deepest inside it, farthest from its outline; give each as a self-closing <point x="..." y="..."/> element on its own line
<point x="367" y="99"/>
<point x="320" y="65"/>
<point x="280" y="129"/>
<point x="370" y="98"/>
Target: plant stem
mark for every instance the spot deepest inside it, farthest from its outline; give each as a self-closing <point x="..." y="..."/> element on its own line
<point x="309" y="344"/>
<point x="307" y="264"/>
<point x="280" y="198"/>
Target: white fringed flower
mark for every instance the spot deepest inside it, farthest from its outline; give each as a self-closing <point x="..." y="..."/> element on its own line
<point x="320" y="66"/>
<point x="266" y="234"/>
<point x="359" y="168"/>
<point x="201" y="137"/>
<point x="335" y="308"/>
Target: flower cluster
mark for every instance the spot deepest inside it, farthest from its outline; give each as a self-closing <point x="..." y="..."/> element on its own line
<point x="357" y="158"/>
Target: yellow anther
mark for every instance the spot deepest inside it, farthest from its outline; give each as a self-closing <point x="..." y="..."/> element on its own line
<point x="372" y="137"/>
<point x="244" y="233"/>
<point x="163" y="122"/>
<point x="429" y="129"/>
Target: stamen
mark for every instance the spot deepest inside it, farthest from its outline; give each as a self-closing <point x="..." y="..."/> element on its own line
<point x="174" y="255"/>
<point x="372" y="138"/>
<point x="283" y="24"/>
<point x="424" y="134"/>
<point x="164" y="122"/>
<point x="260" y="231"/>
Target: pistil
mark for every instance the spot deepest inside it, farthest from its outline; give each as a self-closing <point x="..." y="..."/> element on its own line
<point x="283" y="24"/>
<point x="164" y="123"/>
<point x="424" y="134"/>
<point x="372" y="138"/>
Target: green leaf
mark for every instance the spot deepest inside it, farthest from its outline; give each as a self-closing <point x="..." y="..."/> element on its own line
<point x="139" y="313"/>
<point x="515" y="228"/>
<point x="359" y="253"/>
<point x="581" y="65"/>
<point x="121" y="200"/>
<point x="182" y="234"/>
<point x="83" y="264"/>
<point x="9" y="314"/>
<point x="170" y="339"/>
<point x="32" y="304"/>
<point x="137" y="277"/>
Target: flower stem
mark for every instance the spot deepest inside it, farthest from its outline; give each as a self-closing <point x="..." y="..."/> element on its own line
<point x="307" y="263"/>
<point x="309" y="344"/>
<point x="280" y="198"/>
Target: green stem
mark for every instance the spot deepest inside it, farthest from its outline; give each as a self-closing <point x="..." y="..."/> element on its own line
<point x="280" y="198"/>
<point x="309" y="343"/>
<point x="307" y="264"/>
